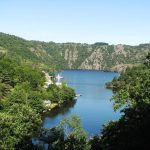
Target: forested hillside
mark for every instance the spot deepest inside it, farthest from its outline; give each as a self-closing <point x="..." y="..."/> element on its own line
<point x="22" y="96"/>
<point x="98" y="56"/>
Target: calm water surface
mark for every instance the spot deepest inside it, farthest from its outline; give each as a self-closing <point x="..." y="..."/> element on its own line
<point x="93" y="107"/>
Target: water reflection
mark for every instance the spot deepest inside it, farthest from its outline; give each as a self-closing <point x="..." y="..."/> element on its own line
<point x="48" y="117"/>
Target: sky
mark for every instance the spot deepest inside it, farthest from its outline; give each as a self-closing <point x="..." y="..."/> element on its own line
<point x="84" y="21"/>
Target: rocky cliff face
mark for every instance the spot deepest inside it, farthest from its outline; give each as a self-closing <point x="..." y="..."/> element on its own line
<point x="70" y="57"/>
<point x="94" y="61"/>
<point x="105" y="57"/>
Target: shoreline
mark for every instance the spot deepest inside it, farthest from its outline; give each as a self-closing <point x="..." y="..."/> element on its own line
<point x="58" y="106"/>
<point x="90" y="70"/>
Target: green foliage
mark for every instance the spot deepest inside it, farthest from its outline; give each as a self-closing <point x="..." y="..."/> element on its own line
<point x="69" y="135"/>
<point x="2" y="89"/>
<point x="132" y="87"/>
<point x="12" y="73"/>
<point x="19" y="119"/>
<point x="100" y="43"/>
<point x="15" y="125"/>
<point x="62" y="94"/>
<point x="22" y="95"/>
<point x="72" y="127"/>
<point x="132" y="130"/>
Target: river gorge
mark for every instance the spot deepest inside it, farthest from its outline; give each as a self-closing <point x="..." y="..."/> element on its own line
<point x="93" y="106"/>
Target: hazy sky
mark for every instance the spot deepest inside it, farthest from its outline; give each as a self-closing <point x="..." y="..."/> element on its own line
<point x="88" y="21"/>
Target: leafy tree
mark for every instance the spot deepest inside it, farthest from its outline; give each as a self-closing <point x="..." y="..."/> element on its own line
<point x="20" y="122"/>
<point x="68" y="135"/>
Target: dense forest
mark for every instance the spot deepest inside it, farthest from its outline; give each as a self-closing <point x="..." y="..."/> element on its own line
<point x="22" y="98"/>
<point x="97" y="56"/>
<point x="22" y="94"/>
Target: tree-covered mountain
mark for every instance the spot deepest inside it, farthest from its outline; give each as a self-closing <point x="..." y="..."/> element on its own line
<point x="98" y="56"/>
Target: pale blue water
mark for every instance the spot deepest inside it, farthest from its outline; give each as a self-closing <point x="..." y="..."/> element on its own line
<point x="93" y="107"/>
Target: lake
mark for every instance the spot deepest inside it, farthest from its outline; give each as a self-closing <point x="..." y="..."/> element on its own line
<point x="94" y="106"/>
